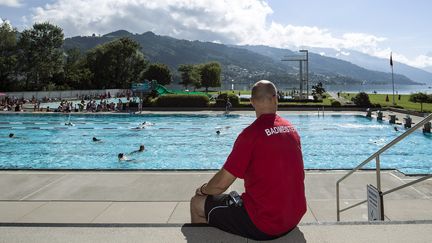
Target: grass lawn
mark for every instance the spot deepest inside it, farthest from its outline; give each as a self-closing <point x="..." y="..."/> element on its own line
<point x="403" y="102"/>
<point x="325" y="102"/>
<point x="243" y="92"/>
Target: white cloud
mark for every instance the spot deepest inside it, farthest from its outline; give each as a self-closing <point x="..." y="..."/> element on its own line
<point x="10" y="3"/>
<point x="225" y="21"/>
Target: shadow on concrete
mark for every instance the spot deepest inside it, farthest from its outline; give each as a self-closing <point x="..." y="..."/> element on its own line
<point x="204" y="233"/>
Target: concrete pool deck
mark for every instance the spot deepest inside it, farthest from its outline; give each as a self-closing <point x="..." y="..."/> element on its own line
<point x="155" y="204"/>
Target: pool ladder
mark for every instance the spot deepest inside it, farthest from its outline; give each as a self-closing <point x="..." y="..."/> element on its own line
<point x="322" y="111"/>
<point x="376" y="156"/>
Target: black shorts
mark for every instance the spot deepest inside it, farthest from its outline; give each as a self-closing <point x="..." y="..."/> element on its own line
<point x="233" y="219"/>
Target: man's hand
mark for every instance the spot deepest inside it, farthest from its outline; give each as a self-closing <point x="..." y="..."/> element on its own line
<point x="217" y="184"/>
<point x="199" y="190"/>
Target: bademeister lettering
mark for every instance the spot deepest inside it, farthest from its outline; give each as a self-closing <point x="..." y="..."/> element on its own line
<point x="280" y="129"/>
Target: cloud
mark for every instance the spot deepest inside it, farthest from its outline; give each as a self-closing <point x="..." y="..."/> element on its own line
<point x="224" y="21"/>
<point x="10" y="3"/>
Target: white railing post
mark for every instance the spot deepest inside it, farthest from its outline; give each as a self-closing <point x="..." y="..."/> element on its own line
<point x="378" y="173"/>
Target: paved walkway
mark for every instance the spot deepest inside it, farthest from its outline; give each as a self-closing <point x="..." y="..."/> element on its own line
<point x="162" y="199"/>
<point x="341" y="99"/>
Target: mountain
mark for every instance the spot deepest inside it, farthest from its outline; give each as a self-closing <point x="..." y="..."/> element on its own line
<point x="238" y="64"/>
<point x="378" y="64"/>
<point x="328" y="65"/>
<point x="241" y="64"/>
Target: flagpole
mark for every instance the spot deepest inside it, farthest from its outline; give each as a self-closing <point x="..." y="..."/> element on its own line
<point x="391" y="64"/>
<point x="393" y="87"/>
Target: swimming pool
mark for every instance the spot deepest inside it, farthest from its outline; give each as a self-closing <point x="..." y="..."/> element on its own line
<point x="179" y="141"/>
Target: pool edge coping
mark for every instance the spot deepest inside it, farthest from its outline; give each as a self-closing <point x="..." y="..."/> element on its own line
<point x="186" y="170"/>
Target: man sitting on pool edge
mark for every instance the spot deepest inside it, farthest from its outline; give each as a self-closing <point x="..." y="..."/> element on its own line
<point x="267" y="155"/>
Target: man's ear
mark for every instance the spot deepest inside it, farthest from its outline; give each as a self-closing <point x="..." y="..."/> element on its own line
<point x="252" y="102"/>
<point x="275" y="99"/>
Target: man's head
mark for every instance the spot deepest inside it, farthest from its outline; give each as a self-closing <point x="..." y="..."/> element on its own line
<point x="264" y="97"/>
<point x="141" y="148"/>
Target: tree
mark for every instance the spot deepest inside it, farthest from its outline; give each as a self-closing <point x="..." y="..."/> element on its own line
<point x="76" y="73"/>
<point x="420" y="98"/>
<point x="159" y="72"/>
<point x="318" y="89"/>
<point x="116" y="64"/>
<point x="189" y="75"/>
<point x="41" y="56"/>
<point x="210" y="75"/>
<point x="361" y="99"/>
<point x="8" y="56"/>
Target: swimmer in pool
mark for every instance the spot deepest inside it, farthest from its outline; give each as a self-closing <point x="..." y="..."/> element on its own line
<point x="122" y="157"/>
<point x="11" y="135"/>
<point x="217" y="132"/>
<point x="141" y="149"/>
<point x="144" y="125"/>
<point x="396" y="129"/>
<point x="96" y="139"/>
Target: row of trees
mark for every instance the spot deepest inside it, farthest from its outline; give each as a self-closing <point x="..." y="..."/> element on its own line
<point x="35" y="60"/>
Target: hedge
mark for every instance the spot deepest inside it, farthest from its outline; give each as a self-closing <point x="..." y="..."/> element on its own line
<point x="221" y="100"/>
<point x="174" y="100"/>
<point x="335" y="103"/>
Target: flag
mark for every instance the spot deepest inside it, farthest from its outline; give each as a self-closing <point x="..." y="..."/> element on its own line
<point x="391" y="59"/>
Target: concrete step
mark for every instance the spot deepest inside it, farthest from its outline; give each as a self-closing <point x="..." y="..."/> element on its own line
<point x="402" y="231"/>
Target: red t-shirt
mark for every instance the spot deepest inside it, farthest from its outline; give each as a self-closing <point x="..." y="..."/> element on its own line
<point x="267" y="155"/>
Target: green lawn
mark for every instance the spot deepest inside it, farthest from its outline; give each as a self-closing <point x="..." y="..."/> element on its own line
<point x="403" y="102"/>
<point x="243" y="92"/>
<point x="326" y="101"/>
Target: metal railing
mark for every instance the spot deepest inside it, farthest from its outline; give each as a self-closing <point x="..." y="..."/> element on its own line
<point x="376" y="156"/>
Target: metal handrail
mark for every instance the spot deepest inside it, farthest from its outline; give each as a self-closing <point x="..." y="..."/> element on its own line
<point x="378" y="169"/>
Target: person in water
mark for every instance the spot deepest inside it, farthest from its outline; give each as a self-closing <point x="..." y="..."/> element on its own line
<point x="121" y="157"/>
<point x="11" y="135"/>
<point x="141" y="149"/>
<point x="217" y="132"/>
<point x="144" y="125"/>
<point x="96" y="139"/>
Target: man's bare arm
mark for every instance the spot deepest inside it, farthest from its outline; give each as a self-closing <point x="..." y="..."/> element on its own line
<point x="218" y="184"/>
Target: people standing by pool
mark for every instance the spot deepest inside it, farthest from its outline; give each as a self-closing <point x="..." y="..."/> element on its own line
<point x="267" y="155"/>
<point x="228" y="106"/>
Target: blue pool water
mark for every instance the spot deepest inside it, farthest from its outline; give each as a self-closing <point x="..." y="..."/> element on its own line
<point x="190" y="141"/>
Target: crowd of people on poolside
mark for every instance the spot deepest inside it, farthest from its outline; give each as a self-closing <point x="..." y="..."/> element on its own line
<point x="88" y="103"/>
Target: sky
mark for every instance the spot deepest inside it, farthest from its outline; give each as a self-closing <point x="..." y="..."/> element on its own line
<point x="374" y="27"/>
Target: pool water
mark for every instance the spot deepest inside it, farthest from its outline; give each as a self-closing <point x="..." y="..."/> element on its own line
<point x="190" y="141"/>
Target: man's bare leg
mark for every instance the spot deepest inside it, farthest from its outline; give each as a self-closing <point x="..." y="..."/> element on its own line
<point x="197" y="209"/>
